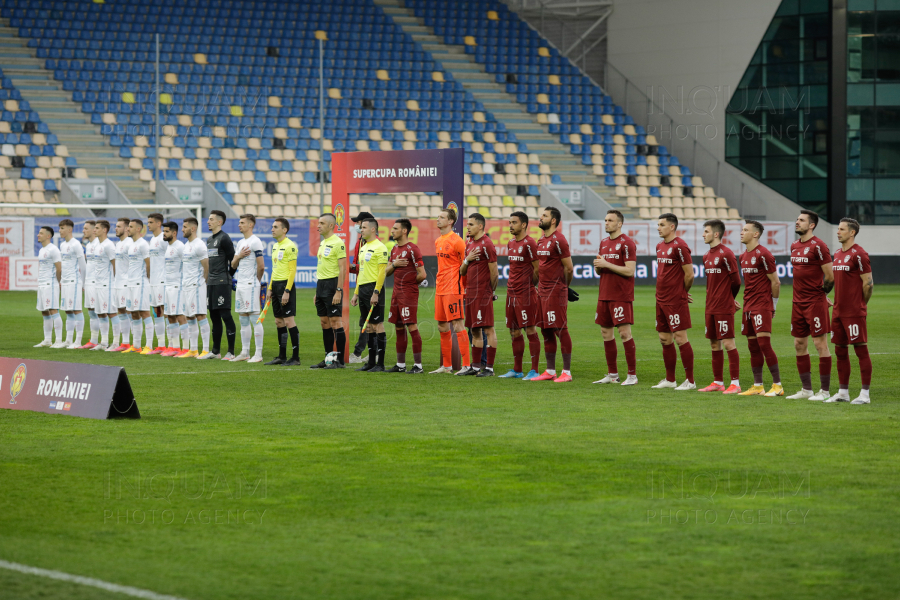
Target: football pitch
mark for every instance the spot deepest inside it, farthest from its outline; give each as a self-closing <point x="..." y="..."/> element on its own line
<point x="243" y="481"/>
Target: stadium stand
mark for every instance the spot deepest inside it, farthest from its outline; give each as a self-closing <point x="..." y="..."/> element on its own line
<point x="32" y="161"/>
<point x="239" y="103"/>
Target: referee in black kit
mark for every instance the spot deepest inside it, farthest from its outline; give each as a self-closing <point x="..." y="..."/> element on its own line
<point x="218" y="288"/>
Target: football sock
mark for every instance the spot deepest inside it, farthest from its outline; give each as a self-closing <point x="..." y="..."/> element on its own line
<point x="230" y="329"/>
<point x="328" y="339"/>
<point x="282" y="343"/>
<point x="372" y="343"/>
<point x="825" y="372"/>
<point x="476" y="355"/>
<point x="362" y="342"/>
<point x="550" y="349"/>
<point x="103" y="331"/>
<point x="58" y="327"/>
<point x="534" y="348"/>
<point x="718" y="365"/>
<point x="193" y="332"/>
<point x="416" y="346"/>
<point x="136" y="328"/>
<point x="565" y="345"/>
<point x="462" y="340"/>
<point x="687" y="360"/>
<point x="382" y="346"/>
<point x="295" y="342"/>
<point x="843" y="366"/>
<point x="491" y="355"/>
<point x="804" y="368"/>
<point x="756" y="360"/>
<point x="670" y="358"/>
<point x="259" y="332"/>
<point x="446" y="348"/>
<point x="630" y="356"/>
<point x="70" y="328"/>
<point x="185" y="331"/>
<point x="159" y="324"/>
<point x="149" y="328"/>
<point x="173" y="334"/>
<point x="765" y="344"/>
<point x="95" y="326"/>
<point x="402" y="343"/>
<point x="204" y="332"/>
<point x="216" y="317"/>
<point x="340" y="339"/>
<point x="246" y="333"/>
<point x="518" y="346"/>
<point x="865" y="364"/>
<point x="734" y="364"/>
<point x="48" y="328"/>
<point x="609" y="347"/>
<point x="115" y="331"/>
<point x="79" y="327"/>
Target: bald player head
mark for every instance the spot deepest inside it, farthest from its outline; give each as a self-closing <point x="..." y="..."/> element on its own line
<point x="326" y="225"/>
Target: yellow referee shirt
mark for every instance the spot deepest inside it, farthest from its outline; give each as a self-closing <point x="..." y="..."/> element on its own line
<point x="284" y="262"/>
<point x="371" y="256"/>
<point x="331" y="250"/>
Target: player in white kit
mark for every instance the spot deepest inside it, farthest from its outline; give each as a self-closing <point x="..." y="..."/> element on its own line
<point x="104" y="259"/>
<point x="49" y="273"/>
<point x="195" y="271"/>
<point x="250" y="265"/>
<point x="138" y="303"/>
<point x="157" y="283"/>
<point x="177" y="326"/>
<point x="89" y="242"/>
<point x="71" y="284"/>
<point x="121" y="322"/>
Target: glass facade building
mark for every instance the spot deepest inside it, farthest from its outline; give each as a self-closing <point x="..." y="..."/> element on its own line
<point x="816" y="116"/>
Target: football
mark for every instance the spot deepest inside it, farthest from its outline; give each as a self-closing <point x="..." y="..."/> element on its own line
<point x="331" y="358"/>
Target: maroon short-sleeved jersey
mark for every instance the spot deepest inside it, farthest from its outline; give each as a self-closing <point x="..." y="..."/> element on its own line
<point x="614" y="287"/>
<point x="670" y="258"/>
<point x="521" y="254"/>
<point x="720" y="265"/>
<point x="405" y="285"/>
<point x="849" y="265"/>
<point x="807" y="259"/>
<point x="756" y="265"/>
<point x="552" y="276"/>
<point x="478" y="273"/>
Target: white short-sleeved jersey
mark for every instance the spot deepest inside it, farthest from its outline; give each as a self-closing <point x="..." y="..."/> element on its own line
<point x="90" y="270"/>
<point x="194" y="252"/>
<point x="103" y="255"/>
<point x="157" y="260"/>
<point x="122" y="248"/>
<point x="137" y="268"/>
<point x="72" y="253"/>
<point x="246" y="271"/>
<point x="174" y="257"/>
<point x="47" y="259"/>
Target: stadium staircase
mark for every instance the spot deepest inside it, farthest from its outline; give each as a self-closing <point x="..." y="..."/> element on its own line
<point x="64" y="117"/>
<point x="503" y="105"/>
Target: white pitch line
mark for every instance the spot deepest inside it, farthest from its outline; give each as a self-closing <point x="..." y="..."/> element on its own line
<point x="97" y="583"/>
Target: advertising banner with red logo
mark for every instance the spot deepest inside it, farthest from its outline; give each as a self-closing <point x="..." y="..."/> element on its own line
<point x="79" y="390"/>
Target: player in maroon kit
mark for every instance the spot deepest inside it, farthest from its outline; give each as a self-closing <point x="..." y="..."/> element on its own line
<point x="761" y="289"/>
<point x="480" y="270"/>
<point x="674" y="278"/>
<point x="615" y="264"/>
<point x="853" y="288"/>
<point x="723" y="281"/>
<point x="522" y="304"/>
<point x="409" y="271"/>
<point x="813" y="279"/>
<point x="555" y="272"/>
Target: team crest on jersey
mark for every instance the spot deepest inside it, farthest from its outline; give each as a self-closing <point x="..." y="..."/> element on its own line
<point x="670" y="251"/>
<point x="618" y="246"/>
<point x="753" y="261"/>
<point x="846" y="259"/>
<point x="715" y="262"/>
<point x="806" y="251"/>
<point x="521" y="248"/>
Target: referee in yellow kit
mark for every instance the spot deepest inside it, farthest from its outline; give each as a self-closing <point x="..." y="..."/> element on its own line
<point x="282" y="293"/>
<point x="330" y="269"/>
<point x="372" y="261"/>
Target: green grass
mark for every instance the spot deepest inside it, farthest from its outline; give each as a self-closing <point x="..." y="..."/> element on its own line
<point x="393" y="486"/>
